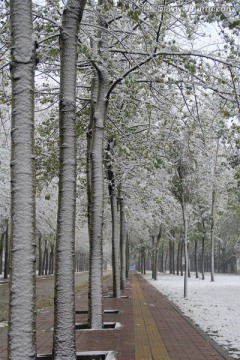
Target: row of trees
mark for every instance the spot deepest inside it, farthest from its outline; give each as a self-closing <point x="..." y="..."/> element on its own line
<point x="135" y="142"/>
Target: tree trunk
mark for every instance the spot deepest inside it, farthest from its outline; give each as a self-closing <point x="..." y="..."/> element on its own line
<point x="223" y="260"/>
<point x="178" y="257"/>
<point x="156" y="251"/>
<point x="165" y="263"/>
<point x="64" y="310"/>
<point x="203" y="250"/>
<point x="122" y="239"/>
<point x="127" y="256"/>
<point x="181" y="257"/>
<point x="46" y="262"/>
<point x="173" y="257"/>
<point x="185" y="246"/>
<point x="6" y="263"/>
<point x="196" y="258"/>
<point x="1" y="252"/>
<point x="40" y="255"/>
<point x="213" y="216"/>
<point x="211" y="236"/>
<point x="44" y="258"/>
<point x="22" y="334"/>
<point x="97" y="182"/>
<point x="162" y="259"/>
<point x="170" y="257"/>
<point x="51" y="262"/>
<point x="114" y="214"/>
<point x="154" y="258"/>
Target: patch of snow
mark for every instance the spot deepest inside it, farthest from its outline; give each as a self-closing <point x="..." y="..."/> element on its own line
<point x="109" y="355"/>
<point x="3" y="324"/>
<point x="213" y="306"/>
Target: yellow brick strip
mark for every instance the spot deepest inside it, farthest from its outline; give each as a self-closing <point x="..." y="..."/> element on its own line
<point x="148" y="342"/>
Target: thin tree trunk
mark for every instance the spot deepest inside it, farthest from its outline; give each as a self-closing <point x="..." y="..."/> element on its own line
<point x="189" y="263"/>
<point x="46" y="262"/>
<point x="170" y="257"/>
<point x="203" y="250"/>
<point x="22" y="334"/>
<point x="185" y="246"/>
<point x="162" y="258"/>
<point x="1" y="252"/>
<point x="219" y="257"/>
<point x="173" y="257"/>
<point x="181" y="257"/>
<point x="223" y="260"/>
<point x="213" y="216"/>
<point x="178" y="257"/>
<point x="165" y="263"/>
<point x="114" y="214"/>
<point x="40" y="255"/>
<point x="196" y="258"/>
<point x="115" y="247"/>
<point x="122" y="239"/>
<point x="44" y="258"/>
<point x="212" y="236"/>
<point x="50" y="270"/>
<point x="6" y="263"/>
<point x="153" y="258"/>
<point x="64" y="310"/>
<point x="156" y="250"/>
<point x="127" y="256"/>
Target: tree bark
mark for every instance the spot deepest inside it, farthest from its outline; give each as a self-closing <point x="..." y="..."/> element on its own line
<point x="170" y="257"/>
<point x="97" y="182"/>
<point x="46" y="261"/>
<point x="178" y="256"/>
<point x="44" y="258"/>
<point x="185" y="225"/>
<point x="21" y="337"/>
<point x="64" y="310"/>
<point x="154" y="258"/>
<point x="213" y="216"/>
<point x="1" y="252"/>
<point x="181" y="257"/>
<point x="114" y="214"/>
<point x="203" y="250"/>
<point x="156" y="245"/>
<point x="212" y="236"/>
<point x="122" y="239"/>
<point x="196" y="258"/>
<point x="127" y="255"/>
<point x="40" y="255"/>
<point x="6" y="263"/>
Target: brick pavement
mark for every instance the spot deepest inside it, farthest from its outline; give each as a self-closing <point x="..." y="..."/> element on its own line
<point x="167" y="334"/>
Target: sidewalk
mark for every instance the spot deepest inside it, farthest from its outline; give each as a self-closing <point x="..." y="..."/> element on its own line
<point x="148" y="327"/>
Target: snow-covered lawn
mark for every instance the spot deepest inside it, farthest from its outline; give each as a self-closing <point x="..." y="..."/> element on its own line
<point x="214" y="306"/>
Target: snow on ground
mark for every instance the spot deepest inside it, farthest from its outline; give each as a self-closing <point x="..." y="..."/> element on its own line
<point x="213" y="306"/>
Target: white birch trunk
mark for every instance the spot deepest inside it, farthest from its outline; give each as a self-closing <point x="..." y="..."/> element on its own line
<point x="21" y="338"/>
<point x="64" y="316"/>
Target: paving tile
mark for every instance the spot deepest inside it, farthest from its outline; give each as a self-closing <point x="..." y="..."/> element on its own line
<point x="151" y="328"/>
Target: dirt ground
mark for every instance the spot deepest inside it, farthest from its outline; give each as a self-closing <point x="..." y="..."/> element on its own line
<point x="45" y="292"/>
